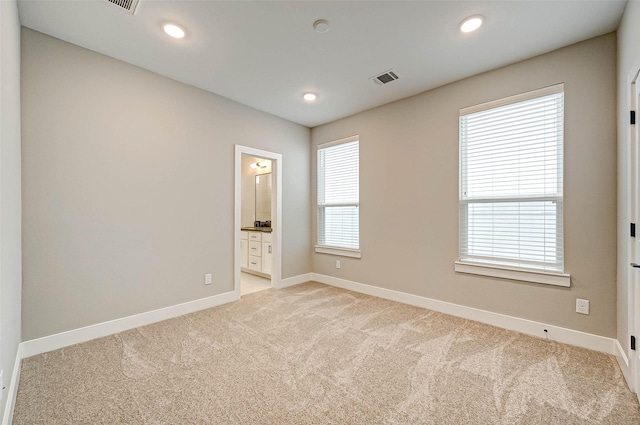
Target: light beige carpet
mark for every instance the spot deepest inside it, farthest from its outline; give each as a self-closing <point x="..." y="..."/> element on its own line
<point x="313" y="354"/>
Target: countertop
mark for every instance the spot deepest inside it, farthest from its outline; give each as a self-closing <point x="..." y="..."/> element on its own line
<point x="257" y="229"/>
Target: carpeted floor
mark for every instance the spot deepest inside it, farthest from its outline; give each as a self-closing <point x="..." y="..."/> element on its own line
<point x="313" y="354"/>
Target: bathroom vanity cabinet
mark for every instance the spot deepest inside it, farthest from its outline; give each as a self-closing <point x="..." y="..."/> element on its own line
<point x="256" y="250"/>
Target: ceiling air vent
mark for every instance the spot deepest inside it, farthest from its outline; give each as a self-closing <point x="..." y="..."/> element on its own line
<point x="128" y="5"/>
<point x="385" y="77"/>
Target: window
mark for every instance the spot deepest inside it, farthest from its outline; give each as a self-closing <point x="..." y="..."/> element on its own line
<point x="339" y="197"/>
<point x="511" y="172"/>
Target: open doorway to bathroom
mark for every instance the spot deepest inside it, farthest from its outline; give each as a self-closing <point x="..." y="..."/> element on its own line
<point x="257" y="220"/>
<point x="256" y="249"/>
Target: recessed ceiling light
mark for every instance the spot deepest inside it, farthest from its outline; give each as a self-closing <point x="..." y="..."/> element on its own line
<point x="321" y="25"/>
<point x="173" y="30"/>
<point x="309" y="97"/>
<point x="470" y="24"/>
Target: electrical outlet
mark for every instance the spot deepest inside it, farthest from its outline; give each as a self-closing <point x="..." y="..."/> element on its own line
<point x="337" y="264"/>
<point x="207" y="279"/>
<point x="582" y="306"/>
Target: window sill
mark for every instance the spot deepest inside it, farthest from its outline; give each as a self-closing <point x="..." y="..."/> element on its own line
<point x="345" y="252"/>
<point x="544" y="277"/>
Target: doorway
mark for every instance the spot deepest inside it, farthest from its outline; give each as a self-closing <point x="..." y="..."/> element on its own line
<point x="257" y="220"/>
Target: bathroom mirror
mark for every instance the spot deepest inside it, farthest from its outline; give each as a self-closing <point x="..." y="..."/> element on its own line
<point x="263" y="197"/>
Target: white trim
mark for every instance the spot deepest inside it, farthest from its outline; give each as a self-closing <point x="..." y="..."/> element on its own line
<point x="529" y="327"/>
<point x="345" y="252"/>
<point x="339" y="142"/>
<point x="76" y="336"/>
<point x="276" y="221"/>
<point x="296" y="280"/>
<point x="545" y="91"/>
<point x="623" y="362"/>
<point x="12" y="394"/>
<point x="548" y="278"/>
<point x="620" y="352"/>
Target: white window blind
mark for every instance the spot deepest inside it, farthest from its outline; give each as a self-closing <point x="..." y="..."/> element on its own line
<point x="511" y="172"/>
<point x="339" y="194"/>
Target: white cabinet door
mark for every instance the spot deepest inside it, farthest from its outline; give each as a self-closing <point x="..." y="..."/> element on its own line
<point x="267" y="254"/>
<point x="244" y="253"/>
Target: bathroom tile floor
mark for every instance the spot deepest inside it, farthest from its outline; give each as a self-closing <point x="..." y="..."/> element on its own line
<point x="250" y="283"/>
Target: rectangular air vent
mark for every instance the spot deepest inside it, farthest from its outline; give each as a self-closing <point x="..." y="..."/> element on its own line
<point x="128" y="5"/>
<point x="385" y="77"/>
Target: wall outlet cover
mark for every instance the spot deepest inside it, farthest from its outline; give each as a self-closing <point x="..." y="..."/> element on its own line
<point x="582" y="306"/>
<point x="207" y="279"/>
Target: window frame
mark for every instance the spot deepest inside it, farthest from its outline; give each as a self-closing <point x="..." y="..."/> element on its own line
<point x="330" y="249"/>
<point x="499" y="267"/>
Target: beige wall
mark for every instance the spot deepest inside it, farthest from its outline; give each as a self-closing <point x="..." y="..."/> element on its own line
<point x="128" y="187"/>
<point x="628" y="66"/>
<point x="10" y="239"/>
<point x="409" y="191"/>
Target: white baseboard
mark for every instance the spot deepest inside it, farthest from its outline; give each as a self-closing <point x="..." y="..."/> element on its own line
<point x="295" y="280"/>
<point x="76" y="336"/>
<point x="623" y="361"/>
<point x="529" y="327"/>
<point x="7" y="418"/>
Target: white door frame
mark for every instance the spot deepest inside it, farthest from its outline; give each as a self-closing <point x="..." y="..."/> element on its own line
<point x="276" y="219"/>
<point x="633" y="246"/>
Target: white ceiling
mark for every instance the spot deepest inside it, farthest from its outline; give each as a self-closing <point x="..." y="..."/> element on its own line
<point x="266" y="54"/>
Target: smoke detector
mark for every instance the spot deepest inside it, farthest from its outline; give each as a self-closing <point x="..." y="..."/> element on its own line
<point x="128" y="5"/>
<point x="385" y="78"/>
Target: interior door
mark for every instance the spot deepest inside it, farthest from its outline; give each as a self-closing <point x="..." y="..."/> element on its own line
<point x="634" y="245"/>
